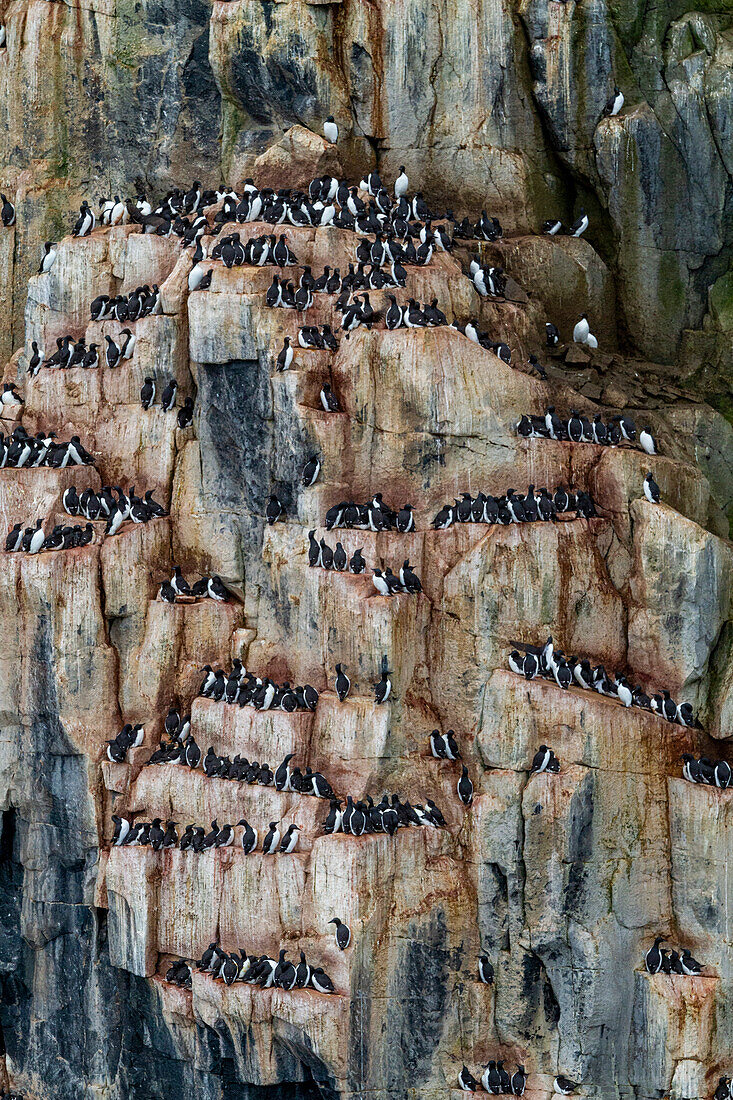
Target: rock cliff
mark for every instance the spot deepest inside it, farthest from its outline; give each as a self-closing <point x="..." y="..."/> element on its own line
<point x="562" y="879"/>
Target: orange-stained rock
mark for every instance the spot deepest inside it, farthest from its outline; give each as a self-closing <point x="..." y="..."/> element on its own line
<point x="296" y="159"/>
<point x="563" y="880"/>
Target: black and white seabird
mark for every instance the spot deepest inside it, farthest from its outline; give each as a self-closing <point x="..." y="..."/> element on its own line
<point x="437" y="745"/>
<point x="273" y="510"/>
<point x="85" y="222"/>
<point x="289" y="841"/>
<point x="302" y="972"/>
<point x="518" y="1081"/>
<point x="282" y="773"/>
<point x="147" y="393"/>
<point x="168" y="397"/>
<point x="331" y="130"/>
<point x="112" y="354"/>
<point x="357" y="563"/>
<point x="271" y="843"/>
<point x="541" y="759"/>
<point x="7" y="210"/>
<point x="723" y="1089"/>
<point x="343" y="933"/>
<point x="383" y="688"/>
<point x="380" y="583"/>
<point x="563" y="1086"/>
<point x="578" y="228"/>
<point x="491" y="1079"/>
<point x="285" y="358"/>
<point x="614" y="103"/>
<point x="485" y="970"/>
<point x="185" y="414"/>
<point x="311" y="470"/>
<point x="128" y="346"/>
<point x="651" y="489"/>
<point x="466" y="1081"/>
<point x="401" y="184"/>
<point x="49" y="257"/>
<point x="122" y="828"/>
<point x="653" y="957"/>
<point x="465" y="787"/>
<point x="689" y="965"/>
<point x="321" y="981"/>
<point x="581" y="330"/>
<point x="329" y="401"/>
<point x="343" y="683"/>
<point x="646" y="439"/>
<point x="552" y="334"/>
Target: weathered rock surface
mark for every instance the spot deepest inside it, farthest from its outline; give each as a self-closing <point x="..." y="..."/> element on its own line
<point x="499" y="103"/>
<point x="563" y="880"/>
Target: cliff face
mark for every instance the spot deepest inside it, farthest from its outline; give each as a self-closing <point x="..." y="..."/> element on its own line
<point x="563" y="880"/>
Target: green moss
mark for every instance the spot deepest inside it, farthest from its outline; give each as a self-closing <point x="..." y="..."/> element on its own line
<point x="721" y="302"/>
<point x="672" y="289"/>
<point x="233" y="121"/>
<point x="130" y="42"/>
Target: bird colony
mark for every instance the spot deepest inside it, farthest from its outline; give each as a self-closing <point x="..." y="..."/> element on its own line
<point x="343" y="813"/>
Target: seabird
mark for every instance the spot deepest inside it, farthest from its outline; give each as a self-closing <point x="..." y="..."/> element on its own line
<point x="614" y="104"/>
<point x="518" y="1081"/>
<point x="653" y="957"/>
<point x="541" y="759"/>
<point x="289" y="841"/>
<point x="380" y="583"/>
<point x="112" y="353"/>
<point x="343" y="683"/>
<point x="563" y="1085"/>
<point x="49" y="257"/>
<point x="689" y="965"/>
<point x="168" y="397"/>
<point x="185" y="414"/>
<point x="85" y="222"/>
<point x="578" y="228"/>
<point x="552" y="334"/>
<point x="485" y="970"/>
<point x="321" y="981"/>
<point x="466" y="1081"/>
<point x="271" y="842"/>
<point x="437" y="745"/>
<point x="491" y="1079"/>
<point x="357" y="563"/>
<point x="285" y="358"/>
<point x="311" y="471"/>
<point x="384" y="687"/>
<point x="147" y="393"/>
<point x="330" y="130"/>
<point x="646" y="439"/>
<point x="328" y="399"/>
<point x="401" y="183"/>
<point x="273" y="510"/>
<point x="343" y="933"/>
<point x="7" y="212"/>
<point x="581" y="330"/>
<point x="122" y="828"/>
<point x="465" y="787"/>
<point x="651" y="489"/>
